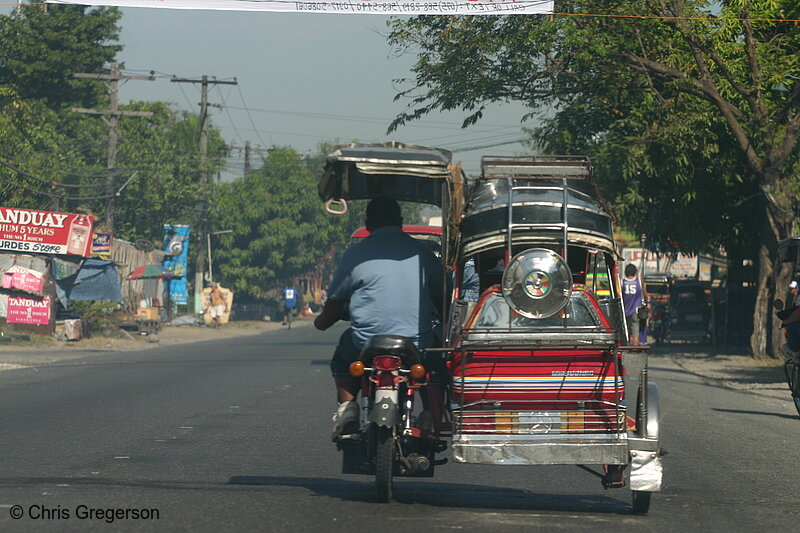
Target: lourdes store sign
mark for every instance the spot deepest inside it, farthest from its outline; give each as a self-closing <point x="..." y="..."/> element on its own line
<point x="42" y="232"/>
<point x="355" y="7"/>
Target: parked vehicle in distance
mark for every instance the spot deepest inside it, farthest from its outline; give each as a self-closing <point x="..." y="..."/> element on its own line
<point x="690" y="310"/>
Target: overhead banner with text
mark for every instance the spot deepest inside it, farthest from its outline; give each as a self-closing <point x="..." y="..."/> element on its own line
<point x="356" y="7"/>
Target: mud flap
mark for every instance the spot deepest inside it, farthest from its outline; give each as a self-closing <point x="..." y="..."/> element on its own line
<point x="645" y="471"/>
<point x="385" y="412"/>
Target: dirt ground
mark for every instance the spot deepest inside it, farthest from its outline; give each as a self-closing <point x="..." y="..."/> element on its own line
<point x="19" y="354"/>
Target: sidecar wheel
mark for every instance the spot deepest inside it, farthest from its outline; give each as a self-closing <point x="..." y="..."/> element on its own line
<point x="384" y="463"/>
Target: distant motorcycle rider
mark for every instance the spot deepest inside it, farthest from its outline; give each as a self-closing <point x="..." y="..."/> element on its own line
<point x="389" y="283"/>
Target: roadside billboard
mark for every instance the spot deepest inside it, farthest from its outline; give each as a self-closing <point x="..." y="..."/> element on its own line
<point x="677" y="264"/>
<point x="176" y="246"/>
<point x="44" y="232"/>
<point x="35" y="311"/>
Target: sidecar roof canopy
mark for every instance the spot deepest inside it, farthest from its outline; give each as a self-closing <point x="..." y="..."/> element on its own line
<point x="524" y="197"/>
<point x="401" y="171"/>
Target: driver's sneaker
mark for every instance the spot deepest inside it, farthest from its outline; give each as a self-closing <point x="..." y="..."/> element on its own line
<point x="346" y="413"/>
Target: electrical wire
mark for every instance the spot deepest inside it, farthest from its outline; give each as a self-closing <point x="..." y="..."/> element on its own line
<point x="249" y="116"/>
<point x="45" y="181"/>
<point x="99" y="173"/>
<point x="53" y="195"/>
<point x="228" y="113"/>
<point x="180" y="86"/>
<point x="352" y="118"/>
<point x="481" y="147"/>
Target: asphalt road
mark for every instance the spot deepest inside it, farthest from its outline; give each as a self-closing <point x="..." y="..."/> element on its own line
<point x="234" y="435"/>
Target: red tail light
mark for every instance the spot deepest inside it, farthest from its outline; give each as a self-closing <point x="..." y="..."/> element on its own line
<point x="386" y="363"/>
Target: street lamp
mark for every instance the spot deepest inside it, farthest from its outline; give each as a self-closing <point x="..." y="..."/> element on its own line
<point x="210" y="233"/>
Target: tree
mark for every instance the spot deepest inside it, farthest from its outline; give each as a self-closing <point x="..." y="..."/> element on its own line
<point x="33" y="155"/>
<point x="42" y="50"/>
<point x="702" y="97"/>
<point x="280" y="227"/>
<point x="164" y="185"/>
<point x="51" y="154"/>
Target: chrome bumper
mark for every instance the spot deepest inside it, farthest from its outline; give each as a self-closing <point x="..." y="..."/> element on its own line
<point x="541" y="449"/>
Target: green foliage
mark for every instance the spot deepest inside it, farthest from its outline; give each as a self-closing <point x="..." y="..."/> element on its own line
<point x="31" y="145"/>
<point x="61" y="155"/>
<point x="167" y="187"/>
<point x="42" y="50"/>
<point x="280" y="227"/>
<point x="679" y="116"/>
<point x="101" y="316"/>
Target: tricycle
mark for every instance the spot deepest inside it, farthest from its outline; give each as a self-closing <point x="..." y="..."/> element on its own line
<point x="538" y="369"/>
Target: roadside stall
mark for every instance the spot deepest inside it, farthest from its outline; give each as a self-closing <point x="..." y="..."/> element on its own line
<point x="149" y="313"/>
<point x="31" y="242"/>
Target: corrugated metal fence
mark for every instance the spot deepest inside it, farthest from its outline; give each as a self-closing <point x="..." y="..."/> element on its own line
<point x="128" y="257"/>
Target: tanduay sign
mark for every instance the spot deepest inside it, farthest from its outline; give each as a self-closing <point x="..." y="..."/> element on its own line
<point x="44" y="232"/>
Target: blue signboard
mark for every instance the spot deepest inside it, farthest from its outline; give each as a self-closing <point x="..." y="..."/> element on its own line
<point x="176" y="245"/>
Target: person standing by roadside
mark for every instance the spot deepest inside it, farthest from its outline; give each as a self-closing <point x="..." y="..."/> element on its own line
<point x="634" y="296"/>
<point x="794" y="291"/>
<point x="217" y="305"/>
<point x="289" y="295"/>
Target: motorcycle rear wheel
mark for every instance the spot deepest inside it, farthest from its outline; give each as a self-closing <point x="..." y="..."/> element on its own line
<point x="384" y="463"/>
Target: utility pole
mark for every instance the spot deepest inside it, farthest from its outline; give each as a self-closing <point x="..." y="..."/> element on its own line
<point x="200" y="258"/>
<point x="248" y="154"/>
<point x="113" y="113"/>
<point x="247" y="166"/>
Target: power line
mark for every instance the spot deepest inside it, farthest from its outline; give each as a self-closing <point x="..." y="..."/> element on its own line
<point x="62" y="170"/>
<point x="228" y="114"/>
<point x="471" y="148"/>
<point x="249" y="116"/>
<point x="188" y="102"/>
<point x="355" y="118"/>
<point x="111" y="80"/>
<point x="54" y="195"/>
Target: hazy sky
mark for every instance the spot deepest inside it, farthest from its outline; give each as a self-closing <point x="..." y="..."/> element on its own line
<point x="303" y="78"/>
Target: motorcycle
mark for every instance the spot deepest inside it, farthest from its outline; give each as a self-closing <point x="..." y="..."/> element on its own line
<point x="389" y="440"/>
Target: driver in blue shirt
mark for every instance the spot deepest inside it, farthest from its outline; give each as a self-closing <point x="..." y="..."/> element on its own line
<point x="391" y="284"/>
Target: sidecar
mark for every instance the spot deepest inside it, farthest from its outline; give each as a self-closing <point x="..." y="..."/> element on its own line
<point x="541" y="368"/>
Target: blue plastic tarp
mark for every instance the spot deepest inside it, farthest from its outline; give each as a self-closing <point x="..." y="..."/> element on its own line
<point x="96" y="280"/>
